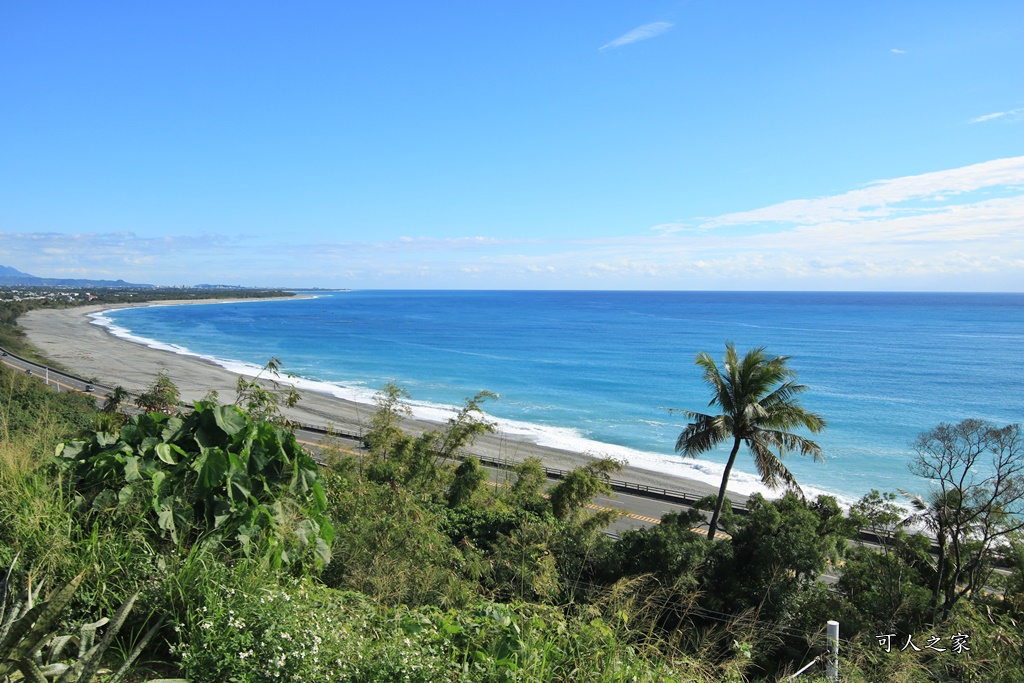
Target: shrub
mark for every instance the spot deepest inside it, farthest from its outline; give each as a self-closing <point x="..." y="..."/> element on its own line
<point x="215" y="476"/>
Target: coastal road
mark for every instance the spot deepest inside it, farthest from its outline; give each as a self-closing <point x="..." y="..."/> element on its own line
<point x="58" y="381"/>
<point x="639" y="506"/>
<point x="635" y="510"/>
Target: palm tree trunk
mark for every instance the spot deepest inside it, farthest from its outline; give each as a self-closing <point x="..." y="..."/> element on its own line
<point x="713" y="525"/>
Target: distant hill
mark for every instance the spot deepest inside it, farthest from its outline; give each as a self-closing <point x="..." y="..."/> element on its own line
<point x="7" y="271"/>
<point x="12" y="277"/>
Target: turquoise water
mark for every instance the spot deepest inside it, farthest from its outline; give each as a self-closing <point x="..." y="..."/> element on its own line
<point x="598" y="371"/>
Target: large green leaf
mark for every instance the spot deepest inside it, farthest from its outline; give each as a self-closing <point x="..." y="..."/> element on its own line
<point x="165" y="520"/>
<point x="319" y="497"/>
<point x="171" y="430"/>
<point x="157" y="482"/>
<point x="220" y="510"/>
<point x="230" y="419"/>
<point x="165" y="453"/>
<point x="131" y="469"/>
<point x="211" y="472"/>
<point x="239" y="486"/>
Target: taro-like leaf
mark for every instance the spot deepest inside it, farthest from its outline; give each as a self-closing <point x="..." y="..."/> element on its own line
<point x="211" y="472"/>
<point x="239" y="487"/>
<point x="220" y="510"/>
<point x="166" y="453"/>
<point x="131" y="469"/>
<point x="244" y="536"/>
<point x="319" y="497"/>
<point x="70" y="450"/>
<point x="171" y="430"/>
<point x="322" y="551"/>
<point x="129" y="432"/>
<point x="104" y="439"/>
<point x="165" y="520"/>
<point x="230" y="419"/>
<point x="258" y="459"/>
<point x="208" y="435"/>
<point x="326" y="529"/>
<point x="157" y="481"/>
<point x="125" y="495"/>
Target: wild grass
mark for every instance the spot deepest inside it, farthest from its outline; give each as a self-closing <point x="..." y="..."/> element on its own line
<point x="35" y="519"/>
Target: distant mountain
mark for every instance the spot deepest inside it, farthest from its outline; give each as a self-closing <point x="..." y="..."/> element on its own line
<point x="11" y="277"/>
<point x="6" y="271"/>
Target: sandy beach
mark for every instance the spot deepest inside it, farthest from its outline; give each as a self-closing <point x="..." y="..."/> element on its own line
<point x="69" y="337"/>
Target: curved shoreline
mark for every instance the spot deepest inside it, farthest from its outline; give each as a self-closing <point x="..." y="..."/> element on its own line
<point x="69" y="337"/>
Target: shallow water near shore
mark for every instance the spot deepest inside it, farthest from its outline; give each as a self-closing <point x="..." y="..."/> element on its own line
<point x="598" y="371"/>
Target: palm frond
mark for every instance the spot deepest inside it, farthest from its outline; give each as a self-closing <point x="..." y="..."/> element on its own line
<point x="701" y="435"/>
<point x="770" y="467"/>
<point x="757" y="396"/>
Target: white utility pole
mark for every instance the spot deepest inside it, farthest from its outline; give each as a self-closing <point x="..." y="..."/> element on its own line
<point x="832" y="658"/>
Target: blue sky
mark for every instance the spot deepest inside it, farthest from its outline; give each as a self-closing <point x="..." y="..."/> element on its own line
<point x="571" y="145"/>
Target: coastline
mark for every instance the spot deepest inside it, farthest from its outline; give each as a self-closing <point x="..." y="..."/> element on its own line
<point x="70" y="337"/>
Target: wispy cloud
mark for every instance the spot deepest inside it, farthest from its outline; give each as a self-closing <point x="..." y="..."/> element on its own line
<point x="1012" y="115"/>
<point x="953" y="229"/>
<point x="644" y="32"/>
<point x="897" y="51"/>
<point x="884" y="197"/>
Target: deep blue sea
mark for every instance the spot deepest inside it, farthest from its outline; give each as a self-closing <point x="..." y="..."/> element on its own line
<point x="598" y="371"/>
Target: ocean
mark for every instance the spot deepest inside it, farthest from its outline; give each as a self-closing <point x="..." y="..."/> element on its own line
<point x="599" y="372"/>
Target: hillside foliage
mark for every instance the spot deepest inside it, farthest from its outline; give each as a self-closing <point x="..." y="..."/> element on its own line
<point x="410" y="561"/>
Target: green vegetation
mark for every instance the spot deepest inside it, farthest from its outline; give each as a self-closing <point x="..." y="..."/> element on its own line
<point x="757" y="396"/>
<point x="222" y="552"/>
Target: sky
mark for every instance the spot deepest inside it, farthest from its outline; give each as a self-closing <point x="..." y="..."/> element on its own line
<point x="722" y="145"/>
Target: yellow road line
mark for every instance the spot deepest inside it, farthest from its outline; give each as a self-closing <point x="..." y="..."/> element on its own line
<point x="44" y="378"/>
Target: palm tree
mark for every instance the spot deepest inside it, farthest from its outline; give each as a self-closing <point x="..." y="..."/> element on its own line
<point x="757" y="397"/>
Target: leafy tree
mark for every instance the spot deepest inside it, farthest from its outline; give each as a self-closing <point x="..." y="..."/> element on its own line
<point x="670" y="551"/>
<point x="422" y="462"/>
<point x="757" y="396"/>
<point x="463" y="429"/>
<point x="469" y="477"/>
<point x="977" y="470"/>
<point x="262" y="403"/>
<point x="776" y="550"/>
<point x="162" y="396"/>
<point x="527" y="490"/>
<point x="392" y="546"/>
<point x="114" y="399"/>
<point x="385" y="425"/>
<point x="570" y="497"/>
<point x="883" y="584"/>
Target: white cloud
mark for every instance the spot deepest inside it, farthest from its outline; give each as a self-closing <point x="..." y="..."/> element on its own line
<point x="897" y="51"/>
<point x="882" y="198"/>
<point x="1012" y="115"/>
<point x="988" y="117"/>
<point x="644" y="32"/>
<point x="960" y="229"/>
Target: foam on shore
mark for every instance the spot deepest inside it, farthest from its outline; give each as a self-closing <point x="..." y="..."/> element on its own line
<point x="562" y="438"/>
